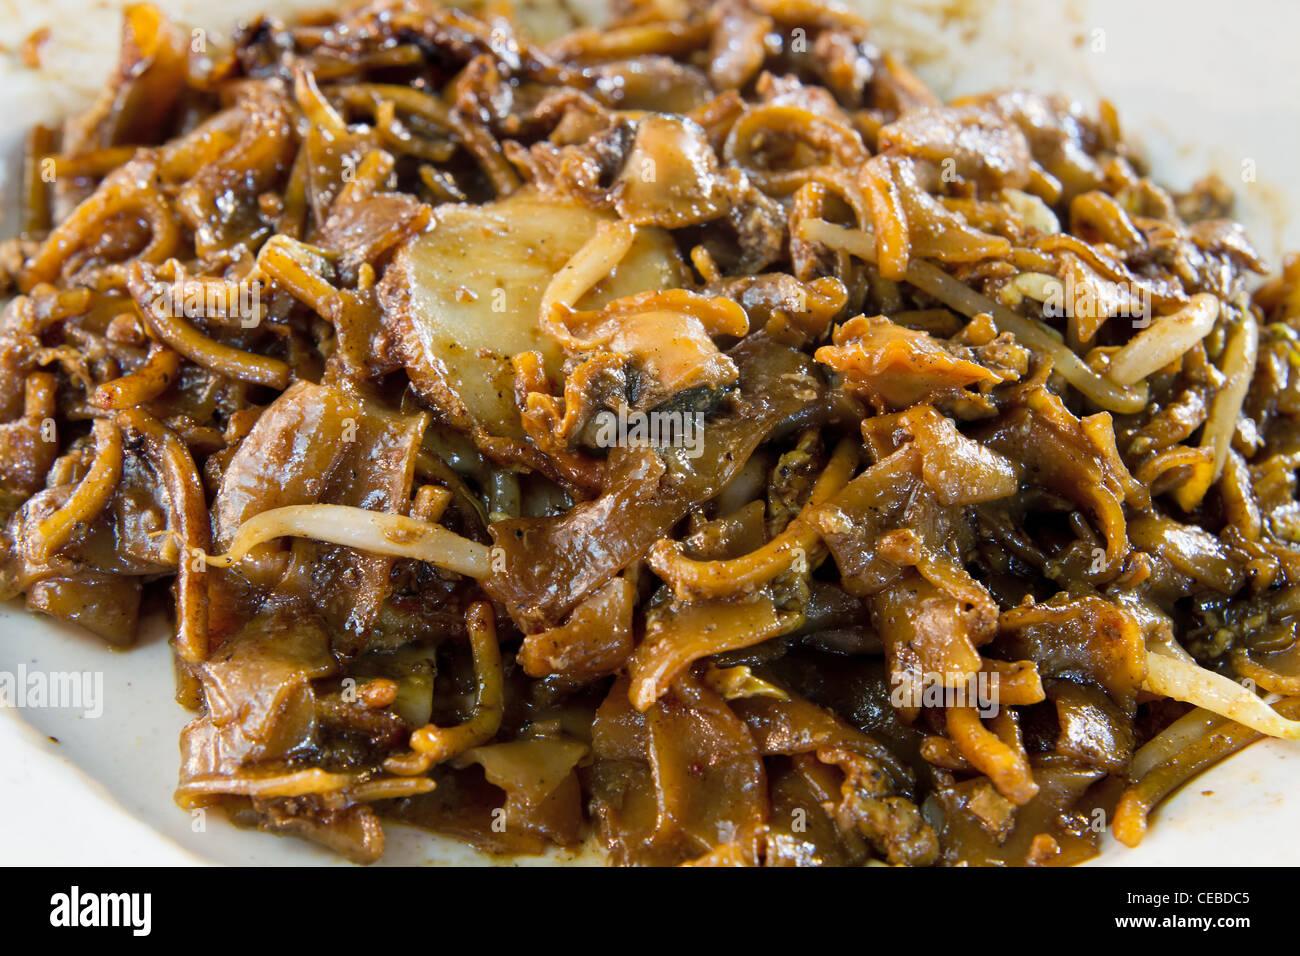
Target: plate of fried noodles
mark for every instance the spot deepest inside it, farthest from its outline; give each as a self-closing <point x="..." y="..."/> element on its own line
<point x="755" y="433"/>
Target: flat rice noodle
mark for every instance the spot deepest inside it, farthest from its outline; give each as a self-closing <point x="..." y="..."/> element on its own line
<point x="931" y="619"/>
<point x="1089" y="638"/>
<point x="1095" y="298"/>
<point x="874" y="502"/>
<point x="1093" y="731"/>
<point x="671" y="177"/>
<point x="858" y="689"/>
<point x="676" y="638"/>
<point x="982" y="146"/>
<point x="933" y="230"/>
<point x="594" y="642"/>
<point x="894" y="367"/>
<point x="958" y="470"/>
<point x="645" y="495"/>
<point x="1191" y="551"/>
<point x="365" y="230"/>
<point x="315" y="444"/>
<point x="1061" y="139"/>
<point x="260" y="706"/>
<point x="929" y="635"/>
<point x="139" y="99"/>
<point x="94" y="580"/>
<point x="86" y="582"/>
<point x="1076" y="458"/>
<point x="675" y="782"/>
<point x="138" y="508"/>
<point x="801" y="832"/>
<point x="867" y="789"/>
<point x="25" y="455"/>
<point x="353" y="832"/>
<point x="304" y="449"/>
<point x="896" y="494"/>
<point x="543" y="795"/>
<point x="330" y="157"/>
<point x="107" y="605"/>
<point x="1056" y="811"/>
<point x="466" y="807"/>
<point x="796" y="726"/>
<point x="220" y="201"/>
<point x="925" y="470"/>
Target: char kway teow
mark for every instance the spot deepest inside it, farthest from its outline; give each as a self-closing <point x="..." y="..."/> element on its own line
<point x="690" y="438"/>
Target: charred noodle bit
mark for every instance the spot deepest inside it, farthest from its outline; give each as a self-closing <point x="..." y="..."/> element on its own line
<point x="92" y="495"/>
<point x="378" y="532"/>
<point x="692" y="579"/>
<point x="326" y="331"/>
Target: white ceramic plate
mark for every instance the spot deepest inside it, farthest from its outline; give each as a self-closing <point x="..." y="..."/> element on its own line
<point x="1201" y="86"/>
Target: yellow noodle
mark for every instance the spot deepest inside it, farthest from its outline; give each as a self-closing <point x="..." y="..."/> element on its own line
<point x="211" y="354"/>
<point x="296" y="783"/>
<point x="992" y="756"/>
<point x="151" y="379"/>
<point x="36" y="197"/>
<point x="442" y="743"/>
<point x="759" y="123"/>
<point x="92" y="494"/>
<point x="188" y="519"/>
<point x="295" y="266"/>
<point x="95" y="163"/>
<point x="319" y="110"/>
<point x="1263" y="677"/>
<point x="692" y="579"/>
<point x="115" y="197"/>
<point x="424" y="105"/>
<point x="638" y="40"/>
<point x="374" y="168"/>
